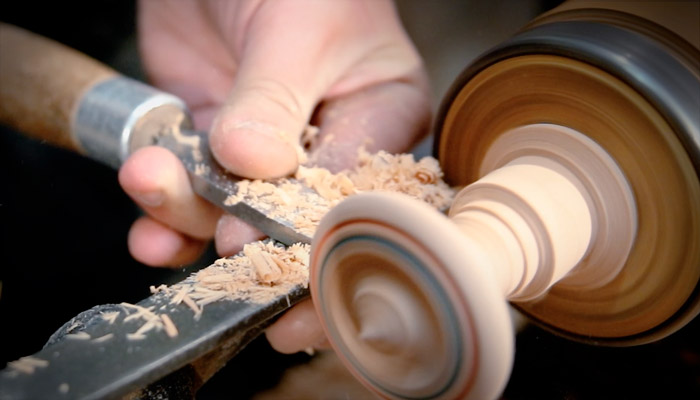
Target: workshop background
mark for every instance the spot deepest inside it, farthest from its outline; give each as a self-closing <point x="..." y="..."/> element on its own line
<point x="64" y="222"/>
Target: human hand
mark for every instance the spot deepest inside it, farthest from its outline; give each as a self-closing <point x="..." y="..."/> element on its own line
<point x="255" y="74"/>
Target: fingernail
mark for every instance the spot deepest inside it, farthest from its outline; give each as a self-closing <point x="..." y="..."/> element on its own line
<point x="259" y="128"/>
<point x="150" y="199"/>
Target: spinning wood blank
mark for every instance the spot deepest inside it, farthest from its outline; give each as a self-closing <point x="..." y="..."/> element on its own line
<point x="578" y="143"/>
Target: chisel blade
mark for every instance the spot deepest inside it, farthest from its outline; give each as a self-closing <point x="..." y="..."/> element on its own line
<point x="101" y="354"/>
<point x="211" y="181"/>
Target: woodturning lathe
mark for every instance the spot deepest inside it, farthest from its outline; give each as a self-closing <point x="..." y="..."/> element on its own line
<point x="578" y="143"/>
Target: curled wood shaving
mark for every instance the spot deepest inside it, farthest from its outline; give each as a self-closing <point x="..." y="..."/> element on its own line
<point x="103" y="338"/>
<point x="291" y="199"/>
<point x="308" y="136"/>
<point x="159" y="289"/>
<point x="141" y="312"/>
<point x="110" y="316"/>
<point x="180" y="295"/>
<point x="193" y="306"/>
<point x="260" y="273"/>
<point x="169" y="326"/>
<point x="201" y="169"/>
<point x="152" y="320"/>
<point x="268" y="268"/>
<point x="78" y="336"/>
<point x="27" y="365"/>
<point x="189" y="140"/>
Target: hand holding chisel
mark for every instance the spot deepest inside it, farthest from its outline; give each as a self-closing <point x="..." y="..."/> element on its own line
<point x="289" y="63"/>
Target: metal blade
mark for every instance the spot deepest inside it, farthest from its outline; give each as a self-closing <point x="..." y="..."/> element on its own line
<point x="93" y="358"/>
<point x="215" y="184"/>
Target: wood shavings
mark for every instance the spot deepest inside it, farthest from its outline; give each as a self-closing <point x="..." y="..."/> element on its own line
<point x="141" y="312"/>
<point x="261" y="272"/>
<point x="308" y="136"/>
<point x="421" y="179"/>
<point x="110" y="316"/>
<point x="180" y="295"/>
<point x="170" y="328"/>
<point x="193" y="306"/>
<point x="28" y="364"/>
<point x="78" y="336"/>
<point x="264" y="270"/>
<point x="103" y="338"/>
<point x="152" y="320"/>
<point x="291" y="200"/>
<point x="201" y="169"/>
<point x="159" y="289"/>
<point x="183" y="296"/>
<point x="204" y="296"/>
<point x="140" y="333"/>
<point x="188" y="140"/>
<point x="74" y="326"/>
<point x="268" y="268"/>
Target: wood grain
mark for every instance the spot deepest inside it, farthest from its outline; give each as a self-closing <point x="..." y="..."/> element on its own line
<point x="41" y="84"/>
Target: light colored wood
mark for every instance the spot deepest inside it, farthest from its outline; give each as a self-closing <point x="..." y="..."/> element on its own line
<point x="663" y="262"/>
<point x="534" y="202"/>
<point x="41" y="84"/>
<point x="599" y="245"/>
<point x="408" y="302"/>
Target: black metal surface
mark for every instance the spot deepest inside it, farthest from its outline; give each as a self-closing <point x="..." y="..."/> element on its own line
<point x="90" y="368"/>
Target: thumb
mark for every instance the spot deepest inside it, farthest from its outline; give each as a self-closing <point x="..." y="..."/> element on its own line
<point x="282" y="75"/>
<point x="256" y="133"/>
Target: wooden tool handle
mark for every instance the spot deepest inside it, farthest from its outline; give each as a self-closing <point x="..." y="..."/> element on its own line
<point x="41" y="84"/>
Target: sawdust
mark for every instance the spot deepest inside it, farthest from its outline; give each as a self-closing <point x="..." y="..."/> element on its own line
<point x="263" y="271"/>
<point x="78" y="336"/>
<point x="152" y="320"/>
<point x="103" y="338"/>
<point x="169" y="325"/>
<point x="291" y="199"/>
<point x="63" y="388"/>
<point x="27" y="365"/>
<point x="110" y="316"/>
<point x="266" y="270"/>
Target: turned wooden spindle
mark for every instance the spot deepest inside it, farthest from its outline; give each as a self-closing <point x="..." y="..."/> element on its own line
<point x="417" y="298"/>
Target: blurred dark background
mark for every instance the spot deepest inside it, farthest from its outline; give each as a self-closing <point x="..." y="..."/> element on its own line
<point x="64" y="222"/>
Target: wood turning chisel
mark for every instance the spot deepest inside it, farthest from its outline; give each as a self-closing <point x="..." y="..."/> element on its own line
<point x="61" y="96"/>
<point x="100" y="355"/>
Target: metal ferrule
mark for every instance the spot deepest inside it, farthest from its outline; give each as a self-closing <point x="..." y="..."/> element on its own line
<point x="119" y="115"/>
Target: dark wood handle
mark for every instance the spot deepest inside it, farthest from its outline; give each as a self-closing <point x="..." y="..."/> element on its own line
<point x="41" y="84"/>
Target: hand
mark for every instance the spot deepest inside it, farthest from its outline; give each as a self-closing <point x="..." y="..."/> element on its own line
<point x="255" y="74"/>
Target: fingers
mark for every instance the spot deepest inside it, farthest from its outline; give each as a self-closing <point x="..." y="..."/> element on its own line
<point x="156" y="180"/>
<point x="232" y="233"/>
<point x="298" y="329"/>
<point x="292" y="56"/>
<point x="373" y="119"/>
<point x="257" y="131"/>
<point x="182" y="54"/>
<point x="154" y="244"/>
